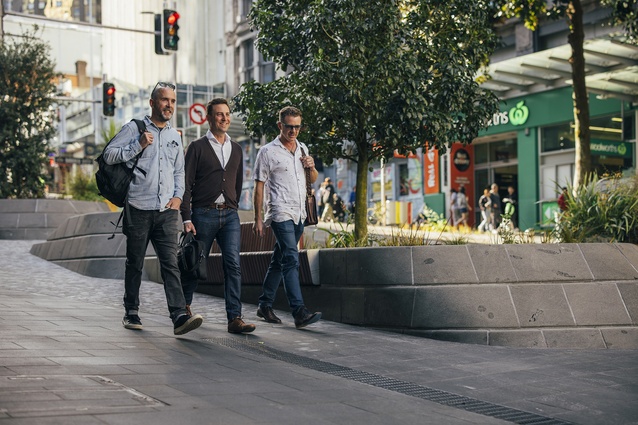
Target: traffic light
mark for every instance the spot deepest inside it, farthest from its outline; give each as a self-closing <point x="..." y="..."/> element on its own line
<point x="169" y="30"/>
<point x="158" y="35"/>
<point x="108" y="99"/>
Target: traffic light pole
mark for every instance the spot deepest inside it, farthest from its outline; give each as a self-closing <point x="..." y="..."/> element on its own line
<point x="174" y="119"/>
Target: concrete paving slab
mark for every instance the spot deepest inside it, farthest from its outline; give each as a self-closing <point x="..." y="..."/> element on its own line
<point x="329" y="373"/>
<point x="597" y="304"/>
<point x="428" y="264"/>
<point x="548" y="263"/>
<point x="542" y="305"/>
<point x="492" y="263"/>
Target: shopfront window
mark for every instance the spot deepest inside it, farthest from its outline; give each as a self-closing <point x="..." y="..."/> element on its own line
<point x="557" y="138"/>
<point x="561" y="137"/>
<point x="500" y="151"/>
<point x="610" y="150"/>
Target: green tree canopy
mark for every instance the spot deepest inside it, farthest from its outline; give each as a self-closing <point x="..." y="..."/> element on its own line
<point x="531" y="12"/>
<point x="373" y="76"/>
<point x="26" y="120"/>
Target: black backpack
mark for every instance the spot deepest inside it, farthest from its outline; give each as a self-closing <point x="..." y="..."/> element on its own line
<point x="113" y="180"/>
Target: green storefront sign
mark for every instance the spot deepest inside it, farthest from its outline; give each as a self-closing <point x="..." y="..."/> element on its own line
<point x="609" y="148"/>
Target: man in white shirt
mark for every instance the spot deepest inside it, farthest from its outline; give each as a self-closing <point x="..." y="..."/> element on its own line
<point x="279" y="202"/>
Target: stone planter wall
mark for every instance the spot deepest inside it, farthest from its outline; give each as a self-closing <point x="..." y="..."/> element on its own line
<point x="532" y="295"/>
<point x="524" y="295"/>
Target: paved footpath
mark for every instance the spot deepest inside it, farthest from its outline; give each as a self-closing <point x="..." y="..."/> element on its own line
<point x="66" y="359"/>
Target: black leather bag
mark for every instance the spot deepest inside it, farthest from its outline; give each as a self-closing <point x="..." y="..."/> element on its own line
<point x="191" y="257"/>
<point x="311" y="210"/>
<point x="311" y="202"/>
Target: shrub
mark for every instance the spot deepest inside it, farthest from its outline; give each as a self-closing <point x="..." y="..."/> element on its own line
<point x="601" y="209"/>
<point x="84" y="188"/>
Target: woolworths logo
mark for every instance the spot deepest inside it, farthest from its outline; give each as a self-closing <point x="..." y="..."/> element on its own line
<point x="609" y="148"/>
<point x="519" y="113"/>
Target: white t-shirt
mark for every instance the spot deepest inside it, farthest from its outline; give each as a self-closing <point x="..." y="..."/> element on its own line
<point x="284" y="182"/>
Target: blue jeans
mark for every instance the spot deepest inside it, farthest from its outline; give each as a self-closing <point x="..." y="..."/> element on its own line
<point x="161" y="229"/>
<point x="223" y="225"/>
<point x="284" y="265"/>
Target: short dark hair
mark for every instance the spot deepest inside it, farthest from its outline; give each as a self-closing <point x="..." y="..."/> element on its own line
<point x="289" y="111"/>
<point x="216" y="101"/>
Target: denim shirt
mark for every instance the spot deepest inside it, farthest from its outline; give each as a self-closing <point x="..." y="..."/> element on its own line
<point x="162" y="161"/>
<point x="284" y="182"/>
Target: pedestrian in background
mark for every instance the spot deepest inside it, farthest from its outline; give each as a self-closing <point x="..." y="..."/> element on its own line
<point x="352" y="200"/>
<point x="495" y="199"/>
<point x="279" y="202"/>
<point x="214" y="177"/>
<point x="462" y="207"/>
<point x="454" y="211"/>
<point x="562" y="199"/>
<point x="328" y="201"/>
<point x="509" y="203"/>
<point x="153" y="204"/>
<point x="485" y="205"/>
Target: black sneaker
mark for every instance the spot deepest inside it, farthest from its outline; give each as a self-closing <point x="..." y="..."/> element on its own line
<point x="186" y="323"/>
<point x="132" y="321"/>
<point x="268" y="314"/>
<point x="304" y="318"/>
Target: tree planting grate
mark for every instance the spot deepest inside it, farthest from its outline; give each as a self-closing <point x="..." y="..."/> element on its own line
<point x="403" y="387"/>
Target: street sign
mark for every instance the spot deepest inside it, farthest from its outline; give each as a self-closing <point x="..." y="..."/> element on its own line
<point x="197" y="113"/>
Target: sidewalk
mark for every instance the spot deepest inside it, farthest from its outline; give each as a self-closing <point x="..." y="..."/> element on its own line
<point x="65" y="358"/>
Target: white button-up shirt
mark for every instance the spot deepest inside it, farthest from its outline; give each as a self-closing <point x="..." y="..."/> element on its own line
<point x="223" y="154"/>
<point x="284" y="182"/>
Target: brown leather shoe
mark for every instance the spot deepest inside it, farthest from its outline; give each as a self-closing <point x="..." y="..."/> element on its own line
<point x="268" y="315"/>
<point x="238" y="326"/>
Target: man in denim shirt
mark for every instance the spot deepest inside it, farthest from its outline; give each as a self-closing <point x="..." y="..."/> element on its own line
<point x="154" y="199"/>
<point x="280" y="188"/>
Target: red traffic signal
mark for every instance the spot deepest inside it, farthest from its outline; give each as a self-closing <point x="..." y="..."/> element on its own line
<point x="169" y="30"/>
<point x="108" y="99"/>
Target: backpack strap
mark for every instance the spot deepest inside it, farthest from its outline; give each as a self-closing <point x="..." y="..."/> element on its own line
<point x="141" y="127"/>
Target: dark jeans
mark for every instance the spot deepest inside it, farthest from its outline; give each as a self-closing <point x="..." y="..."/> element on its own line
<point x="284" y="264"/>
<point x="160" y="228"/>
<point x="223" y="225"/>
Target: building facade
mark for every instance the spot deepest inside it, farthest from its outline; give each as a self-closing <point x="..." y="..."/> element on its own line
<point x="94" y="41"/>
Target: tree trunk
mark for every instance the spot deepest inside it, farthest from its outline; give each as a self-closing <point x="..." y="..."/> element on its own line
<point x="361" y="201"/>
<point x="580" y="98"/>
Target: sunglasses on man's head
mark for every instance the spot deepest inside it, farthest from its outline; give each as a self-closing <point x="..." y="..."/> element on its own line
<point x="164" y="85"/>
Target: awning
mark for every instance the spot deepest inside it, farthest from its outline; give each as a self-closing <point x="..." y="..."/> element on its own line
<point x="611" y="71"/>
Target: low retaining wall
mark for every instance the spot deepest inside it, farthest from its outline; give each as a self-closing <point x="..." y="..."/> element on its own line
<point x="529" y="295"/>
<point x="567" y="295"/>
<point x="37" y="219"/>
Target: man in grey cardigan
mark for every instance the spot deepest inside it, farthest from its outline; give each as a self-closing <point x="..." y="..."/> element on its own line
<point x="214" y="177"/>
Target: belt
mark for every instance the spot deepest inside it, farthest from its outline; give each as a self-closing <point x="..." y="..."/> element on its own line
<point x="220" y="206"/>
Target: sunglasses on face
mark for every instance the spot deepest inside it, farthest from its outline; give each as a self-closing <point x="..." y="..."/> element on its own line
<point x="291" y="127"/>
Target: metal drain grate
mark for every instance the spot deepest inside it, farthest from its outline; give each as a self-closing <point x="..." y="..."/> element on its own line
<point x="391" y="384"/>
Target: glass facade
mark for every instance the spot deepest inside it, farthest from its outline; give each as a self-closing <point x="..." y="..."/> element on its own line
<point x="64" y="10"/>
<point x="610" y="151"/>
